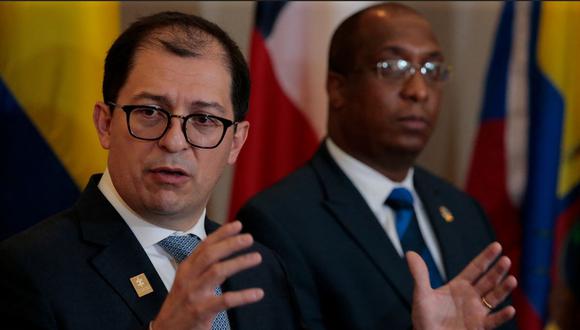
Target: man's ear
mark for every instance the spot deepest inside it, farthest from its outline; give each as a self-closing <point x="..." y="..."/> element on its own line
<point x="102" y="118"/>
<point x="335" y="88"/>
<point x="240" y="135"/>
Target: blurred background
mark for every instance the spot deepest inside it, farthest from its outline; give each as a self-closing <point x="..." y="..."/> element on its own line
<point x="508" y="130"/>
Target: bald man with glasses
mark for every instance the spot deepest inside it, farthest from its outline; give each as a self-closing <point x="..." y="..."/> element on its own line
<point x="344" y="222"/>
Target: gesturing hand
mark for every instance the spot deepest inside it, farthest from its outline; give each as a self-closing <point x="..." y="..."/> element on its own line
<point x="191" y="303"/>
<point x="461" y="303"/>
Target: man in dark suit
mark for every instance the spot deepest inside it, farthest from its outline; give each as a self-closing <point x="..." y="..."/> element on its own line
<point x="343" y="222"/>
<point x="137" y="250"/>
<point x="175" y="90"/>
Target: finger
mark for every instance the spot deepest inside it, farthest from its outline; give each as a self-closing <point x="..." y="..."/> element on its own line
<point x="232" y="299"/>
<point x="500" y="292"/>
<point x="208" y="254"/>
<point x="219" y="272"/>
<point x="496" y="319"/>
<point x="419" y="271"/>
<point x="493" y="276"/>
<point x="226" y="230"/>
<point x="195" y="309"/>
<point x="481" y="263"/>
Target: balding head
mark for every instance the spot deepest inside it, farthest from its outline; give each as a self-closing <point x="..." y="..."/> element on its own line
<point x="182" y="35"/>
<point x="348" y="38"/>
<point x="380" y="121"/>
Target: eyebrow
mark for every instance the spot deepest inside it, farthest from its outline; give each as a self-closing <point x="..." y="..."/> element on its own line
<point x="399" y="51"/>
<point x="166" y="103"/>
<point x="202" y="105"/>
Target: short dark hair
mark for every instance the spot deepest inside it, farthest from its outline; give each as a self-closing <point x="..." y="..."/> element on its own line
<point x="183" y="35"/>
<point x="343" y="45"/>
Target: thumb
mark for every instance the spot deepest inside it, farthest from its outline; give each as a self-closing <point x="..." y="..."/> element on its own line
<point x="419" y="271"/>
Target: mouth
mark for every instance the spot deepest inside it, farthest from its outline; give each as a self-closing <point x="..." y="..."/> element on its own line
<point x="414" y="123"/>
<point x="170" y="171"/>
<point x="169" y="175"/>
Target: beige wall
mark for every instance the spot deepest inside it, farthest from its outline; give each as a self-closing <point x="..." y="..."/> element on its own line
<point x="466" y="31"/>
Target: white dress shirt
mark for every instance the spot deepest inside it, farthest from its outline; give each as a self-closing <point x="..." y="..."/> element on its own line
<point x="375" y="188"/>
<point x="149" y="234"/>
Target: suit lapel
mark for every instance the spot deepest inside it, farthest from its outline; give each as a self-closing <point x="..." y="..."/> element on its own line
<point x="446" y="232"/>
<point x="351" y="211"/>
<point x="121" y="256"/>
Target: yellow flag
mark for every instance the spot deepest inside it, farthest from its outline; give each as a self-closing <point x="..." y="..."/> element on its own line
<point x="51" y="69"/>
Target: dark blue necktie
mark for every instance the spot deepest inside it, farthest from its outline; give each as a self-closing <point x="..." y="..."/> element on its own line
<point x="180" y="247"/>
<point x="401" y="201"/>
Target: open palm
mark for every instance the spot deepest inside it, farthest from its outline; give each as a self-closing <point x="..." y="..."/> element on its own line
<point x="458" y="304"/>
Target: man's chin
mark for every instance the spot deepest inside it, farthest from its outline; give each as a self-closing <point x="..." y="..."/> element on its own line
<point x="168" y="204"/>
<point x="412" y="146"/>
<point x="172" y="216"/>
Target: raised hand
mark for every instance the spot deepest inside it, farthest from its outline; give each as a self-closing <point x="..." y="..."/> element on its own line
<point x="191" y="303"/>
<point x="467" y="301"/>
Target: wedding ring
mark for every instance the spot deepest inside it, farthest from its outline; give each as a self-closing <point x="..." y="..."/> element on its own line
<point x="486" y="303"/>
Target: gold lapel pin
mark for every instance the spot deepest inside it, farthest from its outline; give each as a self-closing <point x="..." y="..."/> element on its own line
<point x="446" y="214"/>
<point x="141" y="285"/>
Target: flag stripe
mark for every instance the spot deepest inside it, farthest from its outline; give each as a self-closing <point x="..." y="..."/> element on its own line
<point x="539" y="210"/>
<point x="517" y="118"/>
<point x="488" y="172"/>
<point x="27" y="159"/>
<point x="288" y="102"/>
<point x="280" y="138"/>
<point x="52" y="62"/>
<point x="558" y="53"/>
<point x="494" y="105"/>
<point x="550" y="203"/>
<point x="266" y="15"/>
<point x="298" y="48"/>
<point x="51" y="67"/>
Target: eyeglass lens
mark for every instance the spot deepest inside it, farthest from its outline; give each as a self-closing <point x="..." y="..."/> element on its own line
<point x="151" y="124"/>
<point x="397" y="69"/>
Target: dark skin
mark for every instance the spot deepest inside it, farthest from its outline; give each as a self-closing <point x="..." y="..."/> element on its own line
<point x="386" y="124"/>
<point x="457" y="305"/>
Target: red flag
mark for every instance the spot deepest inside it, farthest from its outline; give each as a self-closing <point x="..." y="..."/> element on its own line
<point x="525" y="167"/>
<point x="288" y="108"/>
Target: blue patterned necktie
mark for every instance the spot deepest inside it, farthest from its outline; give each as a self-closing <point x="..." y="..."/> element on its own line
<point x="401" y="201"/>
<point x="180" y="247"/>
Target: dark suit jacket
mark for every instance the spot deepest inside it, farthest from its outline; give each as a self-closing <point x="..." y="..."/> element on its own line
<point x="345" y="270"/>
<point x="72" y="272"/>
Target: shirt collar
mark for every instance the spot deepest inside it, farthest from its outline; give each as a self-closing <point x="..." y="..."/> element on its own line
<point x="147" y="233"/>
<point x="372" y="185"/>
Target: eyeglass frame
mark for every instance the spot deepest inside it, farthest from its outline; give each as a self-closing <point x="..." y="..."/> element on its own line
<point x="128" y="108"/>
<point x="413" y="69"/>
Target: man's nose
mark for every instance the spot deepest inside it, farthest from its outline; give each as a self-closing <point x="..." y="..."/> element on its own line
<point x="415" y="88"/>
<point x="174" y="139"/>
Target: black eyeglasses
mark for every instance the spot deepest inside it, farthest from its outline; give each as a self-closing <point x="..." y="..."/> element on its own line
<point x="151" y="122"/>
<point x="399" y="69"/>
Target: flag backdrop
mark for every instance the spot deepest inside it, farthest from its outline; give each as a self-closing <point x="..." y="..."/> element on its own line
<point x="51" y="68"/>
<point x="289" y="46"/>
<point x="525" y="167"/>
